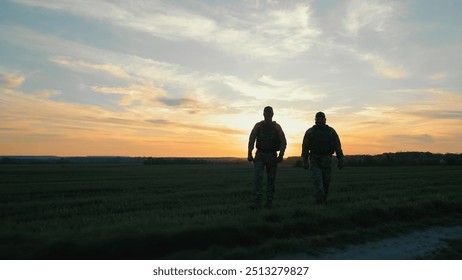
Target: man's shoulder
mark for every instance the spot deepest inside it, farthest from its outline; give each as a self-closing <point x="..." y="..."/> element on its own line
<point x="311" y="129"/>
<point x="275" y="124"/>
<point x="258" y="124"/>
<point x="331" y="129"/>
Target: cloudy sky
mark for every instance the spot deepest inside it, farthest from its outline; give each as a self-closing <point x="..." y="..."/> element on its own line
<point x="191" y="78"/>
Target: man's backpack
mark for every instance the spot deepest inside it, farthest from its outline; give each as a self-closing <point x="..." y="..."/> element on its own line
<point x="322" y="142"/>
<point x="268" y="138"/>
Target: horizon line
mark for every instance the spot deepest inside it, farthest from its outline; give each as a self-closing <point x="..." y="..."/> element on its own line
<point x="123" y="156"/>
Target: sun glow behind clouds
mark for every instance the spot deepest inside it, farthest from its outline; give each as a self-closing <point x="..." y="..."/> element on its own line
<point x="188" y="78"/>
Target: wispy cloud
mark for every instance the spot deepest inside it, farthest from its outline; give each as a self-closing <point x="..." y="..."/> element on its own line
<point x="267" y="88"/>
<point x="77" y="65"/>
<point x="411" y="139"/>
<point x="10" y="80"/>
<point x="373" y="15"/>
<point x="438" y="104"/>
<point x="384" y="64"/>
<point x="438" y="76"/>
<point x="196" y="127"/>
<point x="48" y="93"/>
<point x="144" y="93"/>
<point x="383" y="67"/>
<point x="175" y="102"/>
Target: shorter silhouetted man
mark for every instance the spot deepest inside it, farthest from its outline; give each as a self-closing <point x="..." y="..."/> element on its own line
<point x="270" y="139"/>
<point x="319" y="144"/>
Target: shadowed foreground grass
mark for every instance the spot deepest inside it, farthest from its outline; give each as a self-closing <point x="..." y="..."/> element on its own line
<point x="202" y="211"/>
<point x="452" y="251"/>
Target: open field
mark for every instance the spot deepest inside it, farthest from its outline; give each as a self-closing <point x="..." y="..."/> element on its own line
<point x="202" y="211"/>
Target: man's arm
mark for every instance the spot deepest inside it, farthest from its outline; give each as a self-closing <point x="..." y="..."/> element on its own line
<point x="337" y="145"/>
<point x="252" y="138"/>
<point x="283" y="141"/>
<point x="338" y="149"/>
<point x="306" y="150"/>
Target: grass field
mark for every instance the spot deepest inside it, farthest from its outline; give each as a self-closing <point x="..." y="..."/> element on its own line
<point x="202" y="211"/>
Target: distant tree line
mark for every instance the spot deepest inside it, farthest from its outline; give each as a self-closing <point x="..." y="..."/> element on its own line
<point x="405" y="158"/>
<point x="162" y="161"/>
<point x="179" y="160"/>
<point x="28" y="160"/>
<point x="395" y="159"/>
<point x="116" y="160"/>
<point x="69" y="160"/>
<point x="386" y="159"/>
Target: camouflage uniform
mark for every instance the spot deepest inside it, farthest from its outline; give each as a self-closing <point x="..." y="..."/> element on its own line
<point x="270" y="138"/>
<point x="319" y="144"/>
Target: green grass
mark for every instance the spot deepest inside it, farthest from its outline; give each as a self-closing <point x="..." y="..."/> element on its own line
<point x="202" y="211"/>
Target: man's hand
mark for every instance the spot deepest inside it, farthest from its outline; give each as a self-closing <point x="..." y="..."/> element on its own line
<point x="340" y="163"/>
<point x="280" y="158"/>
<point x="250" y="157"/>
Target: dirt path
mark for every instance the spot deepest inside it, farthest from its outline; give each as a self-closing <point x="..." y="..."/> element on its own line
<point x="408" y="246"/>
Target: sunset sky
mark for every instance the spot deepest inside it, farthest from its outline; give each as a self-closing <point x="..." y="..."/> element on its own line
<point x="191" y="78"/>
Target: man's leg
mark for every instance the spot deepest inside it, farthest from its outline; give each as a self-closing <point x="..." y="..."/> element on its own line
<point x="258" y="180"/>
<point x="326" y="177"/>
<point x="326" y="165"/>
<point x="316" y="175"/>
<point x="271" y="169"/>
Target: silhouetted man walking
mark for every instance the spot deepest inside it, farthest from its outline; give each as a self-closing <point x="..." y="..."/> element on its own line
<point x="270" y="139"/>
<point x="319" y="144"/>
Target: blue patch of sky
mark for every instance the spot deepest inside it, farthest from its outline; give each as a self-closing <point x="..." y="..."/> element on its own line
<point x="323" y="7"/>
<point x="74" y="87"/>
<point x="29" y="64"/>
<point x="441" y="19"/>
<point x="58" y="23"/>
<point x="9" y="56"/>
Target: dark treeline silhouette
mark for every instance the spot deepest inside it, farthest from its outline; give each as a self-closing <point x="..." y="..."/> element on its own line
<point x="69" y="160"/>
<point x="160" y="161"/>
<point x="406" y="158"/>
<point x="179" y="160"/>
<point x="394" y="159"/>
<point x="386" y="159"/>
<point x="116" y="160"/>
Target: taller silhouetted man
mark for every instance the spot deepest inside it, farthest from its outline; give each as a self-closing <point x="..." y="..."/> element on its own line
<point x="270" y="139"/>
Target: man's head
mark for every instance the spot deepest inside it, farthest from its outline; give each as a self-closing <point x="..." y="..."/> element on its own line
<point x="268" y="113"/>
<point x="320" y="118"/>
